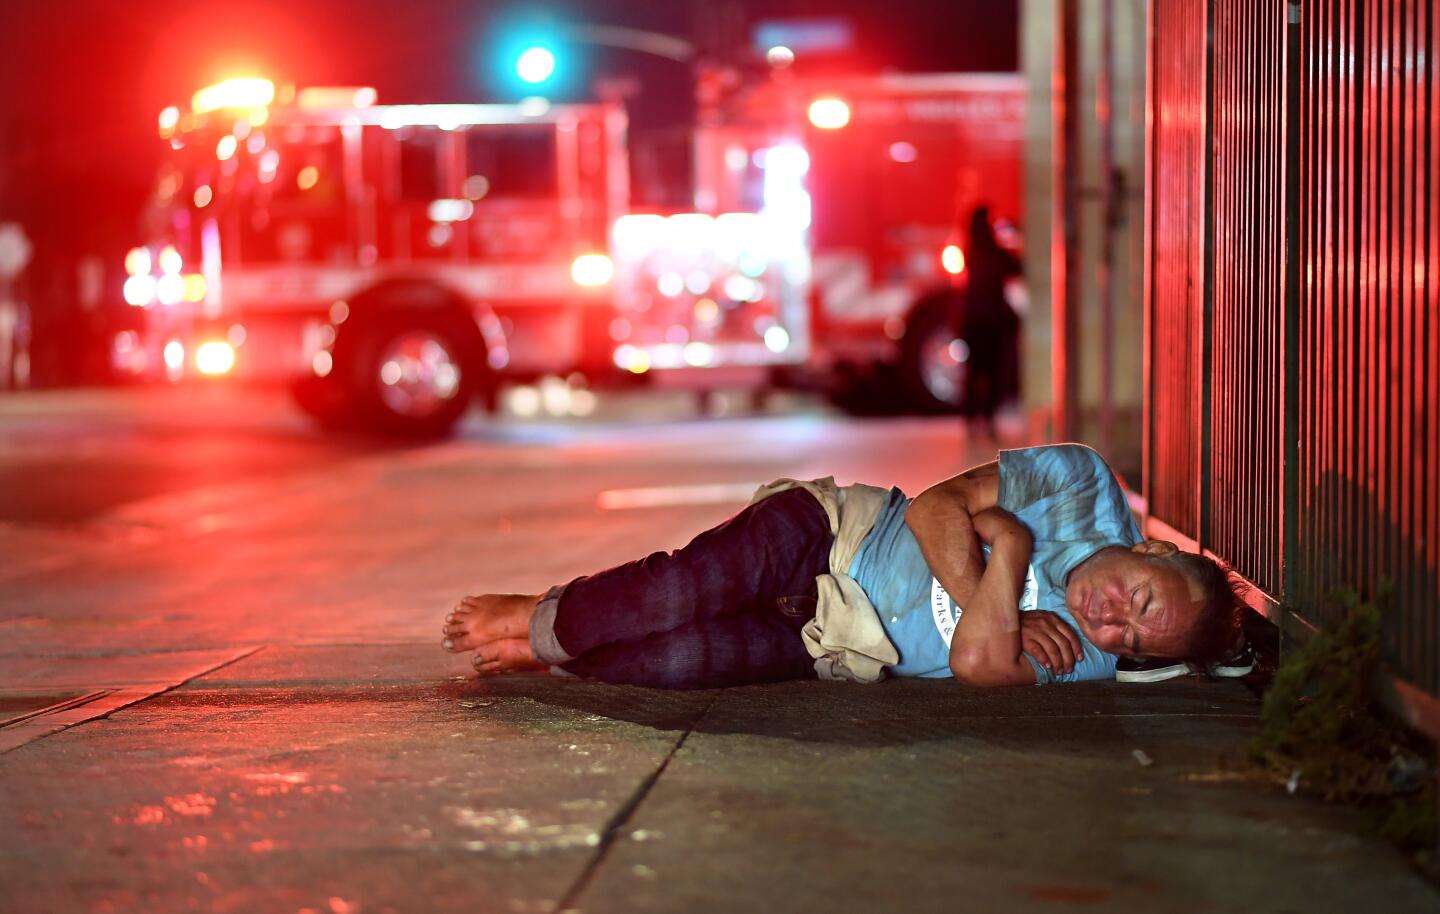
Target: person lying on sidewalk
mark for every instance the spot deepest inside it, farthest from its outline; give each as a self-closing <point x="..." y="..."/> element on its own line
<point x="1028" y="569"/>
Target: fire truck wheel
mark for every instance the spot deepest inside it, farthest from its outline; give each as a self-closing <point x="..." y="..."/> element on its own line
<point x="933" y="359"/>
<point x="414" y="376"/>
<point x="324" y="401"/>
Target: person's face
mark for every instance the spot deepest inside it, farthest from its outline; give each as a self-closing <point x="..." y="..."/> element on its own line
<point x="1133" y="602"/>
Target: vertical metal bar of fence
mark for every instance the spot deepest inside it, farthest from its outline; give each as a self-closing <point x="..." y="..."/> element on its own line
<point x="1409" y="530"/>
<point x="1066" y="324"/>
<point x="1360" y="396"/>
<point x="1429" y="500"/>
<point x="1147" y="265"/>
<point x="1290" y="566"/>
<point x="1382" y="354"/>
<point x="1204" y="355"/>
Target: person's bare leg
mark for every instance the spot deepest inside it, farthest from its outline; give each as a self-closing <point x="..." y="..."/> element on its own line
<point x="506" y="656"/>
<point x="481" y="619"/>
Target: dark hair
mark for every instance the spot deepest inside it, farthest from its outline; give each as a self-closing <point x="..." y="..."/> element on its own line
<point x="1213" y="636"/>
<point x="980" y="238"/>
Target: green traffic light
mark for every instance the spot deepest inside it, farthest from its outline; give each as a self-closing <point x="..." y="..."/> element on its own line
<point x="535" y="64"/>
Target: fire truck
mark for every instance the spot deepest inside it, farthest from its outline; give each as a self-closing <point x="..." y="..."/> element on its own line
<point x="393" y="263"/>
<point x="390" y="263"/>
<point x="893" y="165"/>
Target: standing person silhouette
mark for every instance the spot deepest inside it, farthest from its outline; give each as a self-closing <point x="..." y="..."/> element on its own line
<point x="988" y="325"/>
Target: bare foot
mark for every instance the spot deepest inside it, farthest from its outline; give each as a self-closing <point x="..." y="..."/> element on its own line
<point x="506" y="656"/>
<point x="488" y="617"/>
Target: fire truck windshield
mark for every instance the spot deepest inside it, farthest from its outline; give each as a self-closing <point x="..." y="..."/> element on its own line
<point x="287" y="186"/>
<point x="518" y="162"/>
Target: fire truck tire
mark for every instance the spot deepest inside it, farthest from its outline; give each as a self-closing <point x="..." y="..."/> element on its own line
<point x="323" y="400"/>
<point x="932" y="364"/>
<point x="869" y="391"/>
<point x="414" y="374"/>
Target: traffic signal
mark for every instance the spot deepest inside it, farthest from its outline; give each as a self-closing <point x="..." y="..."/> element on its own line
<point x="535" y="65"/>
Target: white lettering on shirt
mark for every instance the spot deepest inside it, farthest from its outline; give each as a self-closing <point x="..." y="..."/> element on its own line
<point x="947" y="615"/>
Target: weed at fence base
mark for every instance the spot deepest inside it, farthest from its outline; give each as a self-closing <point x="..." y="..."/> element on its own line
<point x="1322" y="731"/>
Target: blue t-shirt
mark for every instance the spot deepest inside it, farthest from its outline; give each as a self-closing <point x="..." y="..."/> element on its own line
<point x="1069" y="499"/>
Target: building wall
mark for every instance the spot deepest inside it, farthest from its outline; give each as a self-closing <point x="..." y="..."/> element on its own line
<point x="1085" y="63"/>
<point x="1039" y="50"/>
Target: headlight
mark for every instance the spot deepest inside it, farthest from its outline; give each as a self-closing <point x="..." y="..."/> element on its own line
<point x="214" y="357"/>
<point x="137" y="262"/>
<point x="139" y="290"/>
<point x="170" y="261"/>
<point x="592" y="270"/>
<point x="953" y="259"/>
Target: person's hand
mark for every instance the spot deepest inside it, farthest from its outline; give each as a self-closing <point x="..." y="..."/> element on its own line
<point x="1050" y="640"/>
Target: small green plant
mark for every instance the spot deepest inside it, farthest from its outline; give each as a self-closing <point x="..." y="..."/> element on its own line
<point x="1322" y="731"/>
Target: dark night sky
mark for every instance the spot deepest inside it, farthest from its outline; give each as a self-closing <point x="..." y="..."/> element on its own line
<point x="81" y="81"/>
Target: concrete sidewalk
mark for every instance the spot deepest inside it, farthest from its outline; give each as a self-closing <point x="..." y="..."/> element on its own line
<point x="375" y="778"/>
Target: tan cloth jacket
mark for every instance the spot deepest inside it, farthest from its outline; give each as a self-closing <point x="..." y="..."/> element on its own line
<point x="845" y="637"/>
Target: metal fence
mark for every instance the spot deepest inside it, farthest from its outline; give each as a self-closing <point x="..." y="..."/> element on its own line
<point x="1304" y="446"/>
<point x="1245" y="315"/>
<point x="1175" y="206"/>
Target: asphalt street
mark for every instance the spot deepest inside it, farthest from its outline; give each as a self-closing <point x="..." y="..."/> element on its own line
<point x="221" y="689"/>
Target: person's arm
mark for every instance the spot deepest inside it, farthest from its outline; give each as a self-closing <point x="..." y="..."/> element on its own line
<point x="940" y="519"/>
<point x="986" y="648"/>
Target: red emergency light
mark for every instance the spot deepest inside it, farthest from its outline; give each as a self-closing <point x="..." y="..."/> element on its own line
<point x="234" y="93"/>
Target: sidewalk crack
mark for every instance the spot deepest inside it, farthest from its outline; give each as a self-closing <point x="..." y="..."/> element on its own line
<point x="104" y="702"/>
<point x="623" y="816"/>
